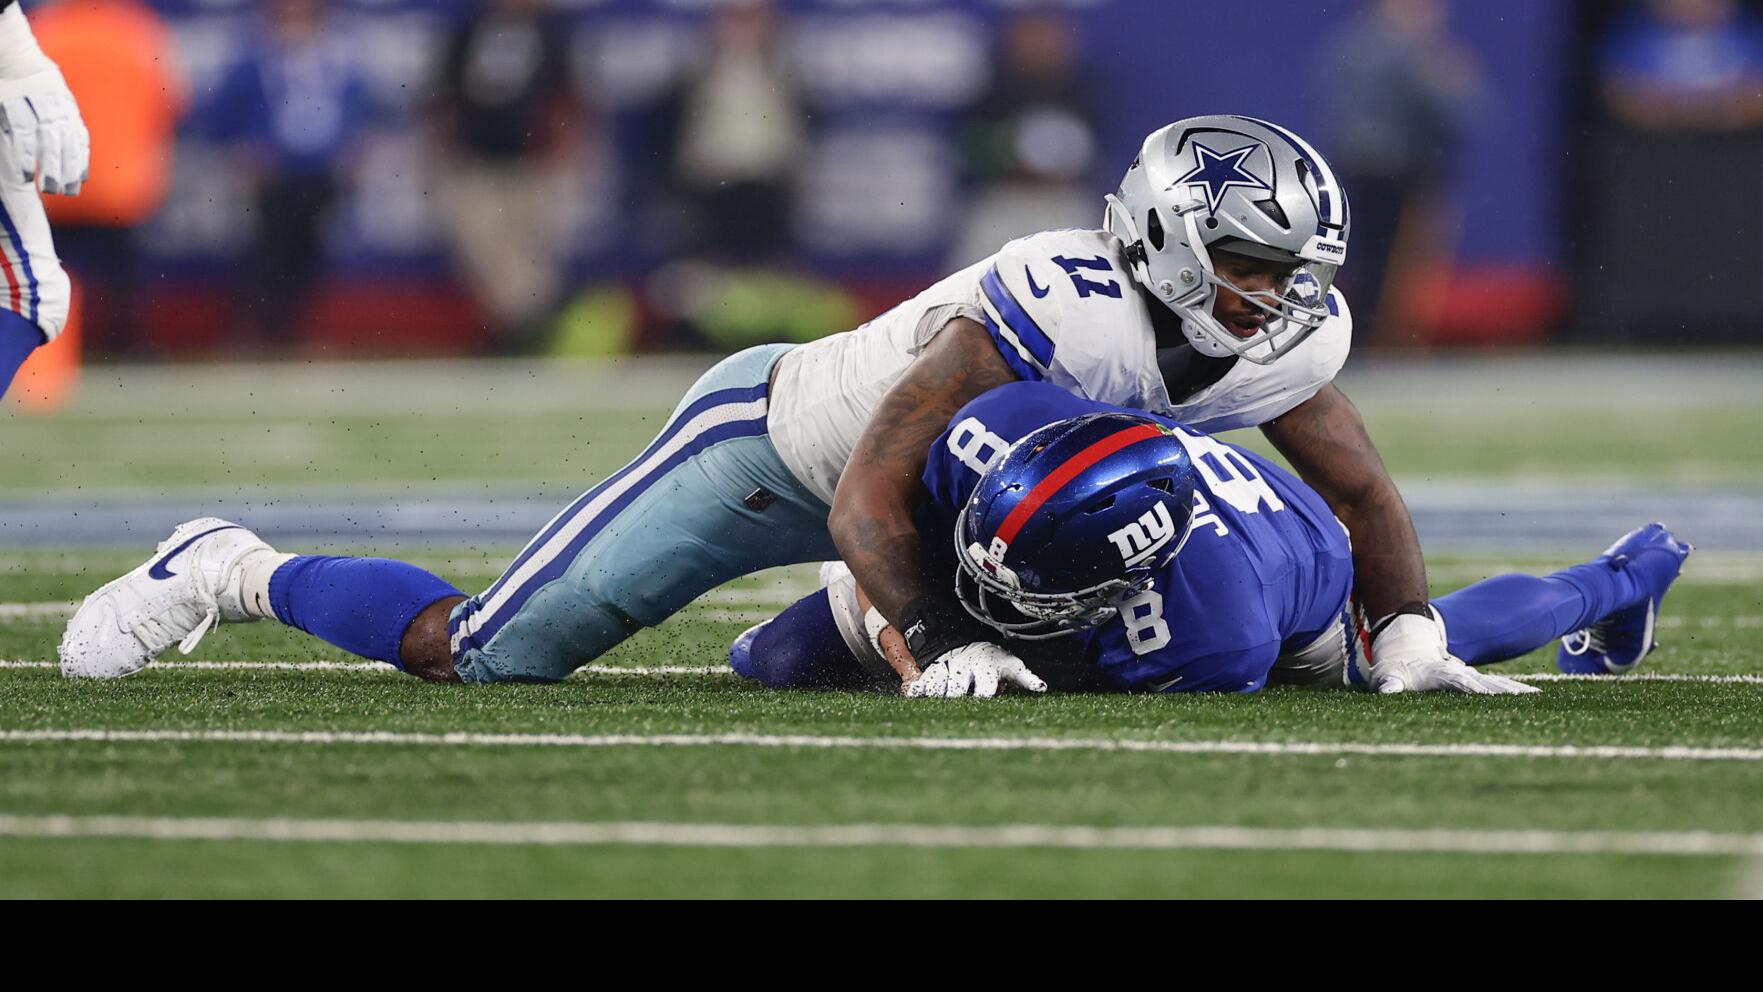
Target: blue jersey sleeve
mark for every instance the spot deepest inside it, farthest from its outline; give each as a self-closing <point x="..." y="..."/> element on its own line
<point x="982" y="430"/>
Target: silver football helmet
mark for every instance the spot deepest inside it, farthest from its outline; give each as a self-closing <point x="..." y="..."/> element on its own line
<point x="1238" y="184"/>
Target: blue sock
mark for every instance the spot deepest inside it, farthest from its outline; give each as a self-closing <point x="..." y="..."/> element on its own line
<point x="1510" y="615"/>
<point x="801" y="649"/>
<point x="362" y="605"/>
<point x="18" y="338"/>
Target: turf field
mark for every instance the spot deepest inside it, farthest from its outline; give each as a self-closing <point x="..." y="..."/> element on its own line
<point x="267" y="763"/>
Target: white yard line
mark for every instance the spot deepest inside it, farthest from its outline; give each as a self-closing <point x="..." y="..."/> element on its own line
<point x="1750" y="879"/>
<point x="61" y="610"/>
<point x="721" y="671"/>
<point x="725" y="616"/>
<point x="1642" y="677"/>
<point x="1740" y="571"/>
<point x="374" y="666"/>
<point x="780" y="595"/>
<point x="1683" y="843"/>
<point x="228" y="666"/>
<point x="1728" y="570"/>
<point x="734" y="607"/>
<point x="807" y="741"/>
<point x="35" y="611"/>
<point x="1710" y="623"/>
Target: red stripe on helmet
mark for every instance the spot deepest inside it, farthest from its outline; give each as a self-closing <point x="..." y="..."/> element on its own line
<point x="1074" y="466"/>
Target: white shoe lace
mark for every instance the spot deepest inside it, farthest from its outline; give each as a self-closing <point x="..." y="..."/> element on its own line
<point x="1589" y="640"/>
<point x="156" y="633"/>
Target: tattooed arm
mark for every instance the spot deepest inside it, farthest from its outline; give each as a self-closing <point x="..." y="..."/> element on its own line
<point x="1325" y="441"/>
<point x="871" y="517"/>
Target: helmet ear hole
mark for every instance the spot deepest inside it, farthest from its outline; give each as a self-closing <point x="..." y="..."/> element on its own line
<point x="1274" y="212"/>
<point x="1154" y="230"/>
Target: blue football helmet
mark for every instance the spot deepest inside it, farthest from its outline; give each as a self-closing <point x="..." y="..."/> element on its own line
<point x="1071" y="520"/>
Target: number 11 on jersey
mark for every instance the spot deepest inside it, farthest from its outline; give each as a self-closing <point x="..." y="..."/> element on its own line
<point x="1086" y="286"/>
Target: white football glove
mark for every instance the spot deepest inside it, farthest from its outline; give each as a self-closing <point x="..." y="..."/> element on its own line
<point x="42" y="138"/>
<point x="975" y="670"/>
<point x="45" y="139"/>
<point x="1409" y="655"/>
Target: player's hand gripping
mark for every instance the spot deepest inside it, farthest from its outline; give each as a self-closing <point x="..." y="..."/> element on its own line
<point x="1409" y="655"/>
<point x="976" y="670"/>
<point x="960" y="662"/>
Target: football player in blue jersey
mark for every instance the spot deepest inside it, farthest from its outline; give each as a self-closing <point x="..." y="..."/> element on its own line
<point x="1175" y="562"/>
<point x="1206" y="297"/>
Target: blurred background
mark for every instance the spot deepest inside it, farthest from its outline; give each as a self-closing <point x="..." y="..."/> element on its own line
<point x="312" y="228"/>
<point x="386" y="177"/>
<point x="404" y="278"/>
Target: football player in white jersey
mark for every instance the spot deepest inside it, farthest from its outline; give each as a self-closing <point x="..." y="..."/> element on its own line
<point x="1207" y="297"/>
<point x="43" y="145"/>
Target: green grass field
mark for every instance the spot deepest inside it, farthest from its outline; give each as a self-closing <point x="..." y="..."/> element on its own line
<point x="269" y="764"/>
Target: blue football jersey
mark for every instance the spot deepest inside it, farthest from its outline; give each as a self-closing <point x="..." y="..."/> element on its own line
<point x="1266" y="568"/>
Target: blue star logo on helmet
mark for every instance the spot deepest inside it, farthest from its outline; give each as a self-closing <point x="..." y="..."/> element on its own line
<point x="1220" y="172"/>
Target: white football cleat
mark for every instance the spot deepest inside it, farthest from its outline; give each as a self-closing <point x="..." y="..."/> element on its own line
<point x="190" y="585"/>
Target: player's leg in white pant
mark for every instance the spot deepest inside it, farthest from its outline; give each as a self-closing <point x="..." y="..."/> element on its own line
<point x="33" y="285"/>
<point x="707" y="501"/>
<point x="32" y="282"/>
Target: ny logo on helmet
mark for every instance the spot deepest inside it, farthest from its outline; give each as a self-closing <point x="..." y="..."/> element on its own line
<point x="1139" y="540"/>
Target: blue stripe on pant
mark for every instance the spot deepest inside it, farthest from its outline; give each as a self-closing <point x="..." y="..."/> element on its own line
<point x="28" y="286"/>
<point x="665" y="529"/>
<point x="681" y="417"/>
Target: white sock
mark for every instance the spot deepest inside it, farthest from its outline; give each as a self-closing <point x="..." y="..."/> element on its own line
<point x="254" y="572"/>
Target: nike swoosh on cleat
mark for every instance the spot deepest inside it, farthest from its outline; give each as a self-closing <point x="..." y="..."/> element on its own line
<point x="158" y="570"/>
<point x="1039" y="291"/>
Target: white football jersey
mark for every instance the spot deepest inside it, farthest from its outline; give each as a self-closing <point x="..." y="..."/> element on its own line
<point x="1061" y="308"/>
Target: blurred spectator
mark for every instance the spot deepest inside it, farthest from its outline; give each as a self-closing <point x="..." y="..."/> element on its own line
<point x="735" y="131"/>
<point x="511" y="135"/>
<point x="1685" y="65"/>
<point x="295" y="106"/>
<point x="123" y="66"/>
<point x="1030" y="142"/>
<point x="1666" y="184"/>
<point x="1400" y="93"/>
